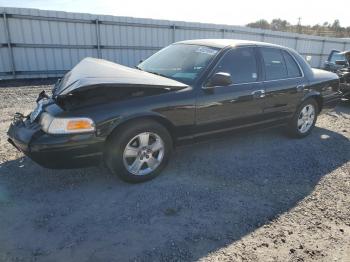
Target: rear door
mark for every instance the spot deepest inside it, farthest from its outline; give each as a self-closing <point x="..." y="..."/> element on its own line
<point x="284" y="82"/>
<point x="225" y="107"/>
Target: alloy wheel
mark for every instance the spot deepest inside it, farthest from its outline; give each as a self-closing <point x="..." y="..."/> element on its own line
<point x="306" y="118"/>
<point x="143" y="153"/>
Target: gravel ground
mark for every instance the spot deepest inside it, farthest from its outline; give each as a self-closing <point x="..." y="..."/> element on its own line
<point x="250" y="197"/>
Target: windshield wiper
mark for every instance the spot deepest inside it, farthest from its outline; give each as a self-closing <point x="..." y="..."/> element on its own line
<point x="152" y="72"/>
<point x="158" y="74"/>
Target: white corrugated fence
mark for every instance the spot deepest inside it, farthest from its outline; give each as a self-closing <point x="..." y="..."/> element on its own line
<point x="38" y="43"/>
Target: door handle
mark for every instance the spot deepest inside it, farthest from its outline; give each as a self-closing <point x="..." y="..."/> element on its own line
<point x="300" y="88"/>
<point x="259" y="93"/>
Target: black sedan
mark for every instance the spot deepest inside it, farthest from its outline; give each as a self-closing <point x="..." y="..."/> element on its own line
<point x="130" y="119"/>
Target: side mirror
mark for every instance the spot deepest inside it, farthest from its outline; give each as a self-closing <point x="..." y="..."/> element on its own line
<point x="340" y="62"/>
<point x="219" y="79"/>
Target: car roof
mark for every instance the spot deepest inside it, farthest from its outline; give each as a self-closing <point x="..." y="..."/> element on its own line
<point x="222" y="43"/>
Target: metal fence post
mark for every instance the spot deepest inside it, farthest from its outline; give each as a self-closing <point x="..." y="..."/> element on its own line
<point x="296" y="44"/>
<point x="97" y="23"/>
<point x="9" y="46"/>
<point x="173" y="32"/>
<point x="321" y="54"/>
<point x="344" y="46"/>
<point x="262" y="37"/>
<point x="223" y="33"/>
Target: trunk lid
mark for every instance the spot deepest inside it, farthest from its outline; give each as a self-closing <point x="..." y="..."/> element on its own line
<point x="323" y="75"/>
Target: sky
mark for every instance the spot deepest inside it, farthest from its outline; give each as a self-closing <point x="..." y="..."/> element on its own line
<point x="218" y="11"/>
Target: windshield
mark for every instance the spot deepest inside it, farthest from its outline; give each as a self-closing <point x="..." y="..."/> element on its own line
<point x="337" y="56"/>
<point x="181" y="62"/>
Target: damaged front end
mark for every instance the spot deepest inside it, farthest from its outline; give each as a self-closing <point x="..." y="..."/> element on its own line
<point x="95" y="81"/>
<point x="103" y="94"/>
<point x="23" y="127"/>
<point x="64" y="129"/>
<point x="44" y="139"/>
<point x="21" y="131"/>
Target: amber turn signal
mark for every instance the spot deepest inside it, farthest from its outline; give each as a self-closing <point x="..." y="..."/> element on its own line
<point x="79" y="124"/>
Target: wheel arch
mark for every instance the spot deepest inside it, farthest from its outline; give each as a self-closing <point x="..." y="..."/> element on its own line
<point x="317" y="97"/>
<point x="140" y="117"/>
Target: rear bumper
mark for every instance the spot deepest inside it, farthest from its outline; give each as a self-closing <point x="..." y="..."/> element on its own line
<point x="55" y="151"/>
<point x="345" y="89"/>
<point x="330" y="102"/>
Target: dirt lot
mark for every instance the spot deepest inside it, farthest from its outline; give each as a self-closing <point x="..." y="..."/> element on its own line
<point x="251" y="197"/>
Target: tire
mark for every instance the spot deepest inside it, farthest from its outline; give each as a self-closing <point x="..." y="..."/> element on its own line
<point x="134" y="159"/>
<point x="294" y="127"/>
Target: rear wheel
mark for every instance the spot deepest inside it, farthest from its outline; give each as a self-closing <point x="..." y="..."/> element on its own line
<point x="138" y="151"/>
<point x="304" y="119"/>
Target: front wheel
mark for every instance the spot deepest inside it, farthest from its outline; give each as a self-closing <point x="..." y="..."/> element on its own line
<point x="304" y="119"/>
<point x="138" y="151"/>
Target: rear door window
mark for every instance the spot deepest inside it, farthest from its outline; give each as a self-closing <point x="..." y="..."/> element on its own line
<point x="275" y="67"/>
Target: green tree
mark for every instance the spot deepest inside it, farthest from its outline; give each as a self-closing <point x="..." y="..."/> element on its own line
<point x="262" y="23"/>
<point x="326" y="29"/>
<point x="279" y="24"/>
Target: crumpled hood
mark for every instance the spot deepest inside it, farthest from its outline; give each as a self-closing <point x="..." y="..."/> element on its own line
<point x="92" y="72"/>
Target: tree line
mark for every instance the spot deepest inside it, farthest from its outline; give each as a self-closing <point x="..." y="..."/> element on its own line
<point x="326" y="29"/>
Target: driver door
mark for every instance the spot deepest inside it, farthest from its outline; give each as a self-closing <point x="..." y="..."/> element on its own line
<point x="238" y="104"/>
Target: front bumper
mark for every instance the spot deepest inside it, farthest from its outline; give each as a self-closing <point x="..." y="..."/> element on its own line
<point x="55" y="151"/>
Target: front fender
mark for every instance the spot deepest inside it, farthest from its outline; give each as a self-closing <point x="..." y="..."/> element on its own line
<point x="106" y="128"/>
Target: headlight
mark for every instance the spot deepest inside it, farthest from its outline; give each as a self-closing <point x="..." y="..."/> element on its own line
<point x="53" y="125"/>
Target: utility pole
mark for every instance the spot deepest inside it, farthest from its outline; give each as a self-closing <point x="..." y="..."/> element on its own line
<point x="299" y="25"/>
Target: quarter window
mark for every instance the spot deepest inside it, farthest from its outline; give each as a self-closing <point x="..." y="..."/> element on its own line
<point x="275" y="66"/>
<point x="241" y="64"/>
<point x="292" y="67"/>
